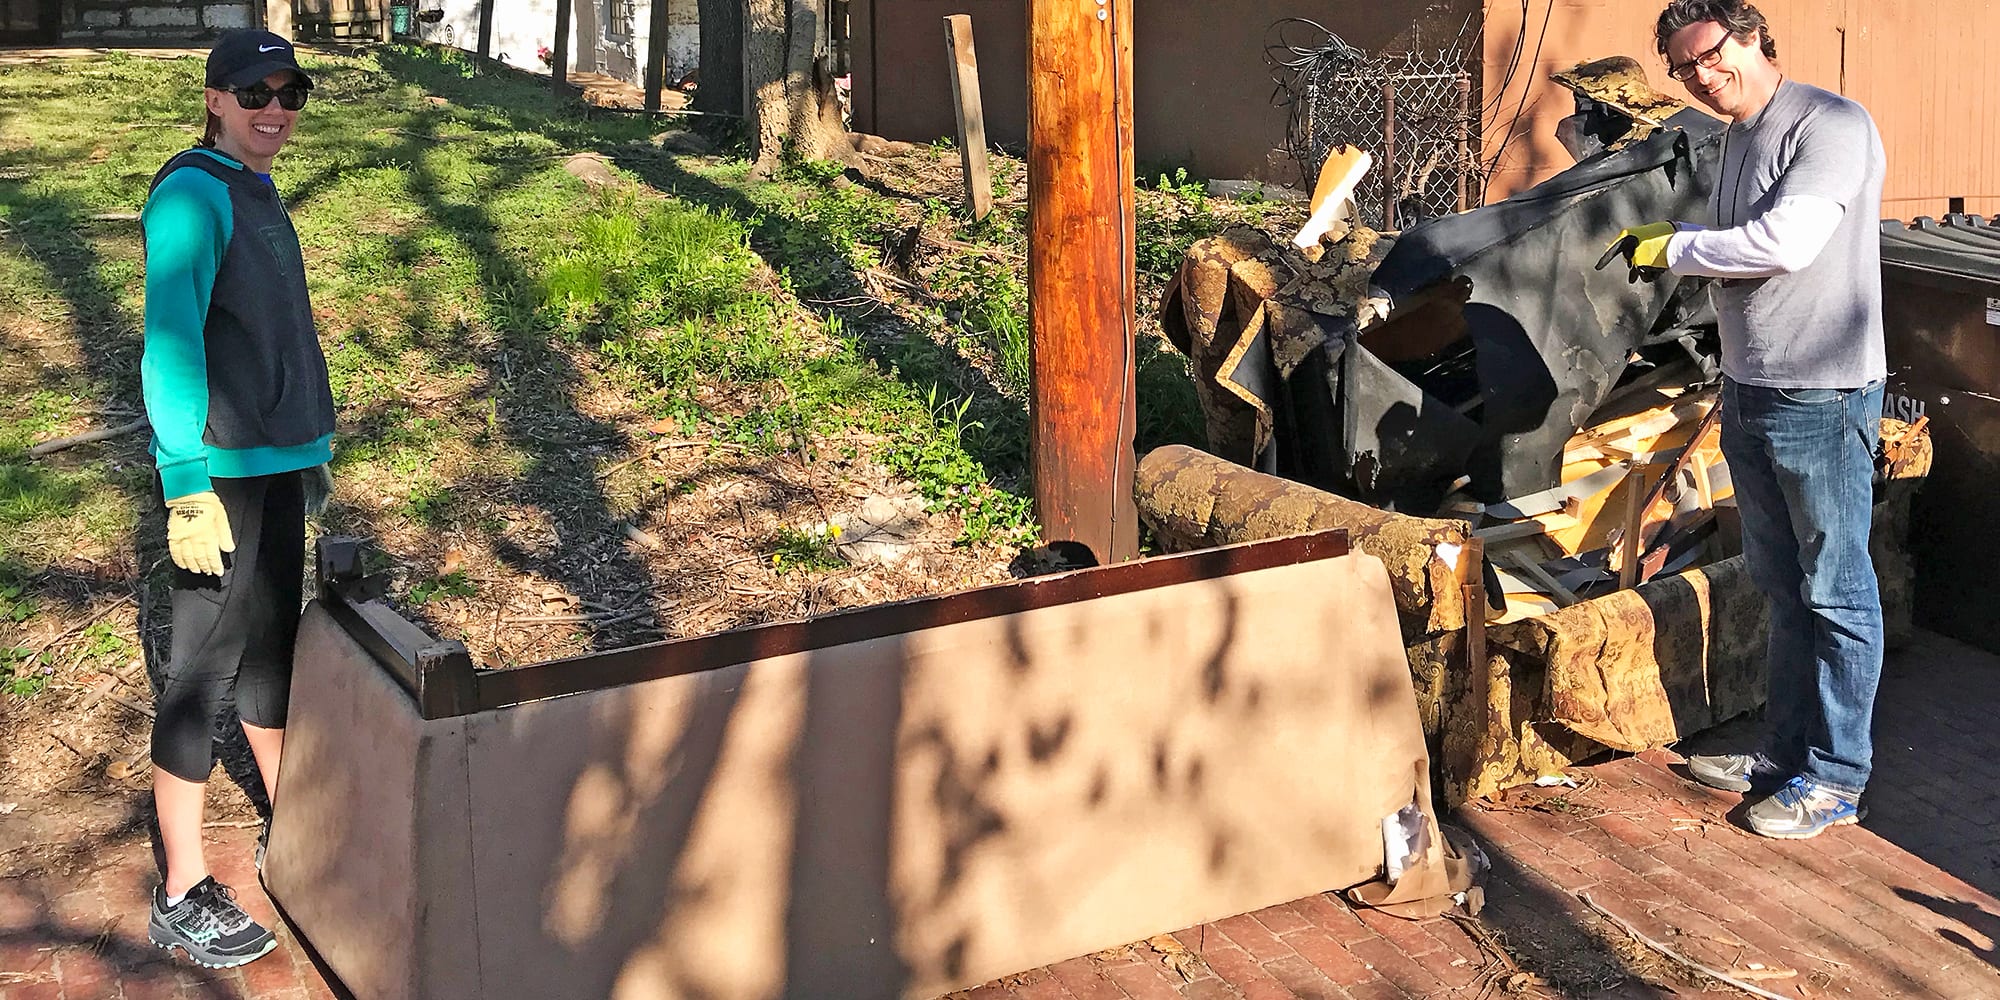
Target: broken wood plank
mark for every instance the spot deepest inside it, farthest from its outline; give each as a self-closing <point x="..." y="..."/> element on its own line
<point x="1628" y="539"/>
<point x="1658" y="509"/>
<point x="1532" y="604"/>
<point x="1549" y="584"/>
<point x="1530" y="505"/>
<point x="1646" y="423"/>
<point x="1527" y="528"/>
<point x="1422" y="326"/>
<point x="1593" y="528"/>
<point x="971" y="115"/>
<point x="1333" y="195"/>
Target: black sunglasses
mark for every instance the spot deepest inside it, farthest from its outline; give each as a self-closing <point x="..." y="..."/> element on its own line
<point x="291" y="96"/>
<point x="1685" y="71"/>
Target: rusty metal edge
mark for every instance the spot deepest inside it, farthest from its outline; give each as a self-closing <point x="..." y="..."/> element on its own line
<point x="443" y="683"/>
<point x="555" y="678"/>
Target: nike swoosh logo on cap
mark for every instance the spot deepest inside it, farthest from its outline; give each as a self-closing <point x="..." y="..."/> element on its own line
<point x="270" y="48"/>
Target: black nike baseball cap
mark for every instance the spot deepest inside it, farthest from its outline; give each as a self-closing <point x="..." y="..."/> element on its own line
<point x="243" y="56"/>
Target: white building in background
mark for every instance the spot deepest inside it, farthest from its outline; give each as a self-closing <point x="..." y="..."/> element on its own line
<point x="607" y="36"/>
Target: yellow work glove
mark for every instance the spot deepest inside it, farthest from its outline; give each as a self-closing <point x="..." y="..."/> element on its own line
<point x="1644" y="249"/>
<point x="198" y="533"/>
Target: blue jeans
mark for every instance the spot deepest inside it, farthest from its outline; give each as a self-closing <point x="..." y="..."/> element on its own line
<point x="1803" y="461"/>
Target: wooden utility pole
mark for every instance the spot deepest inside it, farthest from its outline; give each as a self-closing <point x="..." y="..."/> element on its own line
<point x="971" y="116"/>
<point x="1080" y="272"/>
<point x="656" y="53"/>
<point x="560" y="78"/>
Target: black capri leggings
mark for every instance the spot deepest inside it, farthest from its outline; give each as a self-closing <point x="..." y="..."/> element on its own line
<point x="234" y="634"/>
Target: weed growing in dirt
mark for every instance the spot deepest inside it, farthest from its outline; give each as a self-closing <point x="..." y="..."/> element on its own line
<point x="452" y="584"/>
<point x="1166" y="227"/>
<point x="936" y="459"/>
<point x="16" y="603"/>
<point x="806" y="548"/>
<point x="24" y="673"/>
<point x="102" y="645"/>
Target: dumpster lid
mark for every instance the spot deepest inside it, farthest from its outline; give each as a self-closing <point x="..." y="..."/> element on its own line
<point x="1964" y="245"/>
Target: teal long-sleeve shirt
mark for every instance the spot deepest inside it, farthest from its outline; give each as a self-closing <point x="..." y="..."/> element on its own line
<point x="188" y="223"/>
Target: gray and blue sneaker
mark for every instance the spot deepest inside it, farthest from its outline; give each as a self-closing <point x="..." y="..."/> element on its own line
<point x="263" y="844"/>
<point x="1738" y="772"/>
<point x="1803" y="808"/>
<point x="209" y="926"/>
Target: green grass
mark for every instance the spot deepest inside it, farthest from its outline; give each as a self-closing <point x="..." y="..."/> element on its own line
<point x="819" y="230"/>
<point x="46" y="514"/>
<point x="466" y="287"/>
<point x="470" y="291"/>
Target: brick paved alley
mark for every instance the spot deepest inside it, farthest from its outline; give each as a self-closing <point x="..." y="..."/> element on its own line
<point x="1901" y="906"/>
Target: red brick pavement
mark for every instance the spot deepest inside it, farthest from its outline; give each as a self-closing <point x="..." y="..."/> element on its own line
<point x="1900" y="906"/>
<point x="88" y="942"/>
<point x="84" y="938"/>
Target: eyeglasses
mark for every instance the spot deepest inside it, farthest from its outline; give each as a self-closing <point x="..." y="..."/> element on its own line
<point x="291" y="96"/>
<point x="1705" y="60"/>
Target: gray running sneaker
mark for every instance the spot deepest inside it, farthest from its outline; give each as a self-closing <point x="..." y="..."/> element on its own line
<point x="263" y="844"/>
<point x="1802" y="809"/>
<point x="1737" y="772"/>
<point x="209" y="926"/>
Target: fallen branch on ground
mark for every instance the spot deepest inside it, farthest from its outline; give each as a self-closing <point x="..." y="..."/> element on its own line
<point x="640" y="535"/>
<point x="101" y="434"/>
<point x="129" y="703"/>
<point x="1510" y="977"/>
<point x="1634" y="934"/>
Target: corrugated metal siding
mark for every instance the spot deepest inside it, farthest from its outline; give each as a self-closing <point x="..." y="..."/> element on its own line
<point x="1915" y="65"/>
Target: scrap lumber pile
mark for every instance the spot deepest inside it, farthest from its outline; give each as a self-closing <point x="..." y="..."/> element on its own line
<point x="1518" y="689"/>
<point x="1639" y="497"/>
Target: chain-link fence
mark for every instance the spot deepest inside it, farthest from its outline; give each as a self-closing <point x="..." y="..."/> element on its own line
<point x="1413" y="111"/>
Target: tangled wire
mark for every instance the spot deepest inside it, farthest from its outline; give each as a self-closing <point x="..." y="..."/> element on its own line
<point x="1411" y="110"/>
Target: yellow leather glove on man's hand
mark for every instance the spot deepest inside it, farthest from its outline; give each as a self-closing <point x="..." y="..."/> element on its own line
<point x="1644" y="249"/>
<point x="198" y="533"/>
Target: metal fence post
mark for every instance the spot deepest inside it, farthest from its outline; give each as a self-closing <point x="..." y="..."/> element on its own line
<point x="1463" y="167"/>
<point x="1389" y="191"/>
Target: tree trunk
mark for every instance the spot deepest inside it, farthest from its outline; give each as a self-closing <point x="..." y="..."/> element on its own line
<point x="790" y="75"/>
<point x="719" y="78"/>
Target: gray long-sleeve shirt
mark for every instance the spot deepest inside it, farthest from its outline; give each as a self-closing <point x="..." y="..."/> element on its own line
<point x="1814" y="319"/>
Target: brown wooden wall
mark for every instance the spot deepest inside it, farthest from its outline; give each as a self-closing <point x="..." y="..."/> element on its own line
<point x="1201" y="89"/>
<point x="1919" y="66"/>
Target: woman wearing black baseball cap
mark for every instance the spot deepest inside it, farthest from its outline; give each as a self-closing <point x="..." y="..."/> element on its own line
<point x="236" y="390"/>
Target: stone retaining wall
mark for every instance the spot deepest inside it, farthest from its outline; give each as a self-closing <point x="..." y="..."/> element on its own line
<point x="153" y="20"/>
